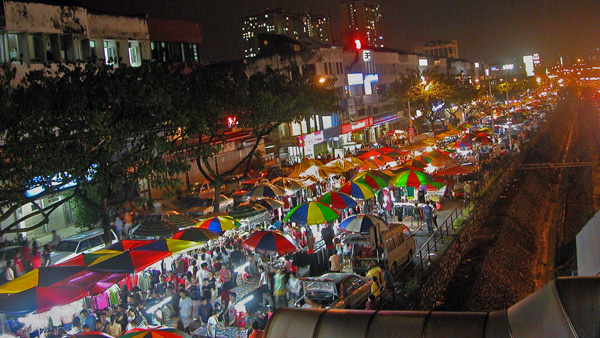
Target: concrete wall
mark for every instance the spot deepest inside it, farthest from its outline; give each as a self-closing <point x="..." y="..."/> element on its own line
<point x="434" y="283"/>
<point x="35" y="17"/>
<point x="118" y="27"/>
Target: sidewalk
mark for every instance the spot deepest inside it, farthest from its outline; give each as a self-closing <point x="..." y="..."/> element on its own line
<point x="42" y="239"/>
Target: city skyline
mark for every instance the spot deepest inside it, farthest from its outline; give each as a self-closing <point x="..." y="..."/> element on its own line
<point x="494" y="31"/>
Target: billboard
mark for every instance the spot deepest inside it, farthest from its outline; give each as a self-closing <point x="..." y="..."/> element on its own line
<point x="528" y="61"/>
<point x="536" y="59"/>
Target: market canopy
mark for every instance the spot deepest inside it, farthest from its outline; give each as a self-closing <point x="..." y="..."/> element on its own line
<point x="50" y="292"/>
<point x="287" y="183"/>
<point x="155" y="332"/>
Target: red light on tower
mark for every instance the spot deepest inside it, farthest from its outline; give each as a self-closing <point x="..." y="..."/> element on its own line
<point x="357" y="44"/>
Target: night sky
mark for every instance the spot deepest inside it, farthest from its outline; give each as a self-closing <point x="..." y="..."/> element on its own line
<point x="488" y="31"/>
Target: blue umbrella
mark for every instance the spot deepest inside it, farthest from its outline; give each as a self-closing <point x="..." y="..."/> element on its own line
<point x="361" y="223"/>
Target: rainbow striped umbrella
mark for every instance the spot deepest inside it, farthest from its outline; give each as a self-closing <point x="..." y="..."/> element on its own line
<point x="218" y="224"/>
<point x="265" y="190"/>
<point x="361" y="223"/>
<point x="415" y="163"/>
<point x="411" y="178"/>
<point x="423" y="158"/>
<point x="357" y="190"/>
<point x="311" y="213"/>
<point x="155" y="332"/>
<point x="373" y="178"/>
<point x="338" y="200"/>
<point x="435" y="154"/>
<point x="459" y="144"/>
<point x="482" y="140"/>
<point x="271" y="243"/>
<point x="435" y="185"/>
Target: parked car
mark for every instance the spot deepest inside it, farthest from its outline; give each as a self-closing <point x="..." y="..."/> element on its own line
<point x="204" y="205"/>
<point x="7" y="253"/>
<point x="85" y="242"/>
<point x="201" y="188"/>
<point x="241" y="196"/>
<point x="233" y="182"/>
<point x="335" y="291"/>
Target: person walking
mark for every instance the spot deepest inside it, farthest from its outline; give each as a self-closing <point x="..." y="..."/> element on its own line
<point x="279" y="289"/>
<point x="335" y="262"/>
<point x="9" y="273"/>
<point x="264" y="283"/>
<point x="428" y="215"/>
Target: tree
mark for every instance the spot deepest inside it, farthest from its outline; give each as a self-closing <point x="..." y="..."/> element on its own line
<point x="258" y="104"/>
<point x="468" y="100"/>
<point x="92" y="127"/>
<point x="427" y="92"/>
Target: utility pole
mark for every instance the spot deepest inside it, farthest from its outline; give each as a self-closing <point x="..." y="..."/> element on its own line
<point x="491" y="104"/>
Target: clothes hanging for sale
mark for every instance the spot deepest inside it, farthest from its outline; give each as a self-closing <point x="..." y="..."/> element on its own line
<point x="113" y="295"/>
<point x="145" y="281"/>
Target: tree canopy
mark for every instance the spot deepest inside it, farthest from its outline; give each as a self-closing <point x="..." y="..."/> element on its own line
<point x="88" y="126"/>
<point x="258" y="103"/>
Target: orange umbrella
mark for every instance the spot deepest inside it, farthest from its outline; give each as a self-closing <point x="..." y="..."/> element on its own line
<point x="461" y="169"/>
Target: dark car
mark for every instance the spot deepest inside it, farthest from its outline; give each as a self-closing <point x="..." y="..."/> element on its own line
<point x="335" y="291"/>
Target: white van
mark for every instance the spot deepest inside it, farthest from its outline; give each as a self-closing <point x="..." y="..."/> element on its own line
<point x="84" y="242"/>
<point x="398" y="248"/>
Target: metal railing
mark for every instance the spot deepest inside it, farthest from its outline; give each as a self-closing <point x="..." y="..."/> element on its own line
<point x="428" y="249"/>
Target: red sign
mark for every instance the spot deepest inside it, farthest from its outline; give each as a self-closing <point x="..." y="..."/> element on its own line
<point x="358" y="125"/>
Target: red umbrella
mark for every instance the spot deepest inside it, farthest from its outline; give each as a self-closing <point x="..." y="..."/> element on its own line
<point x="369" y="154"/>
<point x="272" y="243"/>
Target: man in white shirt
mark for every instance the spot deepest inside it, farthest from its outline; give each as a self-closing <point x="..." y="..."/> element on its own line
<point x="335" y="263"/>
<point x="202" y="272"/>
<point x="211" y="326"/>
<point x="185" y="308"/>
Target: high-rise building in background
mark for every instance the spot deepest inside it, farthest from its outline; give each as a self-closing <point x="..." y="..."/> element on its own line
<point x="318" y="27"/>
<point x="276" y="21"/>
<point x="438" y="48"/>
<point x="361" y="19"/>
<point x="287" y="23"/>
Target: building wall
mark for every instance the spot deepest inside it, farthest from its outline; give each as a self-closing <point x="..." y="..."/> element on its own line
<point x="35" y="17"/>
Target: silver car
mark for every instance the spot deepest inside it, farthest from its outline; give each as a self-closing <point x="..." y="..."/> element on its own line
<point x="335" y="291"/>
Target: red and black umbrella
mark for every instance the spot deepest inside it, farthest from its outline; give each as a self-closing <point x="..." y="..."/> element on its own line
<point x="195" y="235"/>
